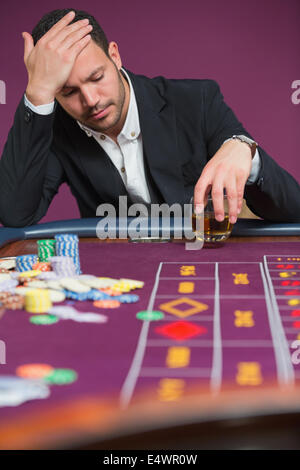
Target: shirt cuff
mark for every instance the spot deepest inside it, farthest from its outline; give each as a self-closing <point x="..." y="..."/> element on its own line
<point x="43" y="109"/>
<point x="255" y="168"/>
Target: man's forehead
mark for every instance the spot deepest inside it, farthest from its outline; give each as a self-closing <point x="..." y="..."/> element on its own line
<point x="90" y="61"/>
<point x="84" y="79"/>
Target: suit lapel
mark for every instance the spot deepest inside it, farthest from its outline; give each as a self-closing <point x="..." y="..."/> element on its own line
<point x="158" y="127"/>
<point x="96" y="164"/>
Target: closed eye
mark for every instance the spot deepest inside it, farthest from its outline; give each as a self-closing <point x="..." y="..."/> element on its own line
<point x="73" y="91"/>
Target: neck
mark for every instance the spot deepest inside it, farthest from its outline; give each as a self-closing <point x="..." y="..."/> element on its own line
<point x="113" y="134"/>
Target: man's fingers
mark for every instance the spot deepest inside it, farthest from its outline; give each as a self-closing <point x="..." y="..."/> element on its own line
<point x="232" y="200"/>
<point x="240" y="185"/>
<point x="61" y="24"/>
<point x="76" y="36"/>
<point x="80" y="45"/>
<point x="28" y="45"/>
<point x="201" y="192"/>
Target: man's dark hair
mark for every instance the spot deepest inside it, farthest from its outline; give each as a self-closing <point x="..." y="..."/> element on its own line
<point x="49" y="20"/>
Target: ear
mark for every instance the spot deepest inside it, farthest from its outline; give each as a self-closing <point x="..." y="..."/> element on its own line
<point x="114" y="54"/>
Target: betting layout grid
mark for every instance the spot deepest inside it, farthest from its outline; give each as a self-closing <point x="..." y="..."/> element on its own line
<point x="222" y="322"/>
<point x="179" y="343"/>
<point x="34" y="283"/>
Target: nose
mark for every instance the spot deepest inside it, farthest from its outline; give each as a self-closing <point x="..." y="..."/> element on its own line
<point x="90" y="97"/>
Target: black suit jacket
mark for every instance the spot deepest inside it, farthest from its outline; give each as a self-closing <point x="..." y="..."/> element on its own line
<point x="183" y="124"/>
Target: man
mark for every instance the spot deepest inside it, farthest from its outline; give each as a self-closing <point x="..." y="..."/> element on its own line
<point x="87" y="121"/>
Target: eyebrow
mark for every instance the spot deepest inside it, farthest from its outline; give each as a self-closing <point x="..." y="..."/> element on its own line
<point x="97" y="70"/>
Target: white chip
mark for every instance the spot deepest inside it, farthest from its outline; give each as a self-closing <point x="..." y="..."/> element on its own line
<point x="73" y="285"/>
<point x="4" y="276"/>
<point x="91" y="281"/>
<point x="38" y="284"/>
<point x="56" y="296"/>
<point x="8" y="263"/>
<point x="22" y="290"/>
<point x="54" y="285"/>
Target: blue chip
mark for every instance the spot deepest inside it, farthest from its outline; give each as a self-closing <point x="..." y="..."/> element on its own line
<point x="95" y="294"/>
<point x="127" y="298"/>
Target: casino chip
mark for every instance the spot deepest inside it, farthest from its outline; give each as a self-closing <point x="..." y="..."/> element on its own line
<point x="74" y="285"/>
<point x="43" y="267"/>
<point x="127" y="298"/>
<point x="61" y="377"/>
<point x="17" y="390"/>
<point x="14" y="302"/>
<point x="34" y="371"/>
<point x="68" y="245"/>
<point x="150" y="315"/>
<point x="46" y="249"/>
<point x="107" y="303"/>
<point x="63" y="266"/>
<point x="25" y="262"/>
<point x="37" y="301"/>
<point x="43" y="319"/>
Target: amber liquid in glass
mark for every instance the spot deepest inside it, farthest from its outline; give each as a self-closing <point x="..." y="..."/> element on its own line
<point x="214" y="231"/>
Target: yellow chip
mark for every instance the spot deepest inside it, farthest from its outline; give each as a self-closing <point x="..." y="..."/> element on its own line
<point x="31" y="273"/>
<point x="37" y="301"/>
<point x="133" y="283"/>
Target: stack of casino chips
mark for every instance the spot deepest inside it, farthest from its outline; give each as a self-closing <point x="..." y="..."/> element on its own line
<point x="46" y="249"/>
<point x="68" y="245"/>
<point x="11" y="301"/>
<point x="63" y="266"/>
<point x="25" y="262"/>
<point x="37" y="301"/>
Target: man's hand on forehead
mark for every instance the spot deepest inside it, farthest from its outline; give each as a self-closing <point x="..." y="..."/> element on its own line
<point x="50" y="62"/>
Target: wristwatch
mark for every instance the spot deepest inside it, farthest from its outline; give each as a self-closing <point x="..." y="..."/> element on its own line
<point x="252" y="144"/>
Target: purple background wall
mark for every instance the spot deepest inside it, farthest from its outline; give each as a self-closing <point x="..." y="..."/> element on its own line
<point x="251" y="48"/>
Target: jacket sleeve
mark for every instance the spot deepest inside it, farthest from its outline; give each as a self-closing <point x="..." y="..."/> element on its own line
<point x="275" y="196"/>
<point x="30" y="173"/>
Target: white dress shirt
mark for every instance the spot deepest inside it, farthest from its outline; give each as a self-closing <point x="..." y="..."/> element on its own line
<point x="127" y="155"/>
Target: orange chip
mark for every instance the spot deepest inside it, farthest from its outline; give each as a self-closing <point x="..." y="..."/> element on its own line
<point x="34" y="371"/>
<point x="42" y="266"/>
<point x="110" y="291"/>
<point x="107" y="303"/>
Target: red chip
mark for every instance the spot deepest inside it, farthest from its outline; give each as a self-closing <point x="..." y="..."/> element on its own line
<point x="107" y="303"/>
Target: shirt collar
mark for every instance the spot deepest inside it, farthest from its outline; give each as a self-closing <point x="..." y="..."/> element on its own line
<point x="131" y="129"/>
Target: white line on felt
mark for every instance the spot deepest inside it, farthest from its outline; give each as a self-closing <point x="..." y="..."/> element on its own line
<point x="216" y="371"/>
<point x="286" y="374"/>
<point x="132" y="376"/>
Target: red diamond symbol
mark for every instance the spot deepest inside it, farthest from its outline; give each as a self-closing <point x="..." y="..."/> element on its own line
<point x="293" y="292"/>
<point x="181" y="330"/>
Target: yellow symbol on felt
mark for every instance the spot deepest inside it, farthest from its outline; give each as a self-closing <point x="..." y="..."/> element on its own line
<point x="170" y="389"/>
<point x="186" y="287"/>
<point x="243" y="318"/>
<point x="178" y="357"/>
<point x="241" y="278"/>
<point x="287" y="274"/>
<point x="298" y="336"/>
<point x="294" y="302"/>
<point x="187" y="271"/>
<point x="279" y="259"/>
<point x="196" y="307"/>
<point x="293" y="259"/>
<point x="249" y="373"/>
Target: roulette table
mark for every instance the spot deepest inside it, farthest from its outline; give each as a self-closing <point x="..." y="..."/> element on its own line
<point x="207" y="357"/>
